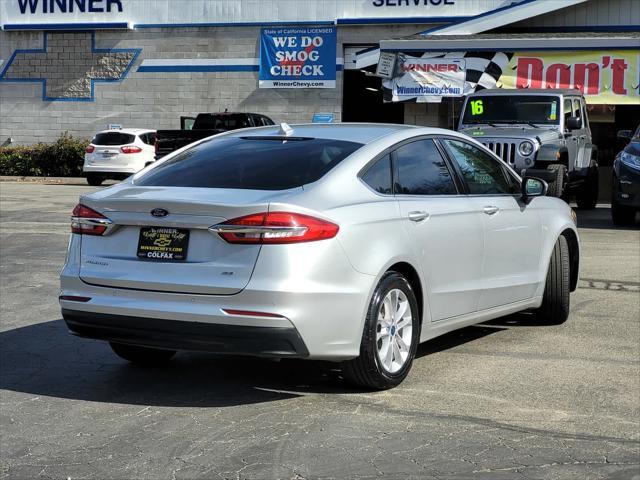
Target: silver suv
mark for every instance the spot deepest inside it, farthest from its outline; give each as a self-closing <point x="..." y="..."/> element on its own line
<point x="545" y="132"/>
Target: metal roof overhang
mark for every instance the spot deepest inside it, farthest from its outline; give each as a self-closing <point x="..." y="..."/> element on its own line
<point x="454" y="43"/>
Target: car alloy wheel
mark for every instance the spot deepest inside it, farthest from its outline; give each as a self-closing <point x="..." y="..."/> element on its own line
<point x="394" y="331"/>
<point x="390" y="336"/>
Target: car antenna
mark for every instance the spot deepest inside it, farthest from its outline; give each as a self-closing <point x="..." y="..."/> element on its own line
<point x="285" y="130"/>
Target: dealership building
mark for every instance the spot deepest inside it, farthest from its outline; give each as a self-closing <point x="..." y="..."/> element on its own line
<point x="83" y="65"/>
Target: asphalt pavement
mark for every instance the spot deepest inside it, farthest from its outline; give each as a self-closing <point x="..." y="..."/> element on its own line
<point x="505" y="400"/>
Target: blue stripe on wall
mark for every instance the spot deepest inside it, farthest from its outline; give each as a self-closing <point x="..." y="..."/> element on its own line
<point x="204" y="68"/>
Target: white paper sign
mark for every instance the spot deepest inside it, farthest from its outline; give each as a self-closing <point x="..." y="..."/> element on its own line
<point x="428" y="77"/>
<point x="386" y="65"/>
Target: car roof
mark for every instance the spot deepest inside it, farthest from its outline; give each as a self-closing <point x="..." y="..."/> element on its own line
<point x="131" y="131"/>
<point x="528" y="91"/>
<point x="352" y="132"/>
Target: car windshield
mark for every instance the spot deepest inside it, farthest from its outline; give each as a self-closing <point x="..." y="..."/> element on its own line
<point x="528" y="109"/>
<point x="254" y="163"/>
<point x="221" y="122"/>
<point x="113" y="138"/>
<point x="636" y="136"/>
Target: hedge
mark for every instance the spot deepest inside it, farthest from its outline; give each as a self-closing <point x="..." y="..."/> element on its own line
<point x="63" y="158"/>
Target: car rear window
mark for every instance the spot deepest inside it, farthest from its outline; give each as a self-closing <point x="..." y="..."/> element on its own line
<point x="113" y="138"/>
<point x="257" y="163"/>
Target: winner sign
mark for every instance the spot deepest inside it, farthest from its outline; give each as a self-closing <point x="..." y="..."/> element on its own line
<point x="298" y="57"/>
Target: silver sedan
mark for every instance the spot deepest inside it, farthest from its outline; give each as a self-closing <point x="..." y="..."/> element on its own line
<point x="350" y="243"/>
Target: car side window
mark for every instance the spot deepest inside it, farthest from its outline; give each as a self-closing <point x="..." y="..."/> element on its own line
<point x="568" y="109"/>
<point x="585" y="118"/>
<point x="576" y="108"/>
<point x="378" y="176"/>
<point x="421" y="170"/>
<point x="483" y="174"/>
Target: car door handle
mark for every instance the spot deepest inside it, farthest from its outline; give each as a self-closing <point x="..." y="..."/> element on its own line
<point x="491" y="210"/>
<point x="418" y="216"/>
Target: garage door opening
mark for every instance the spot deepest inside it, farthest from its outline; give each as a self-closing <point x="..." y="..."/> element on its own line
<point x="362" y="99"/>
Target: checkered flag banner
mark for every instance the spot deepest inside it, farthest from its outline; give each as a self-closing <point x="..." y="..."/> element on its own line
<point x="483" y="69"/>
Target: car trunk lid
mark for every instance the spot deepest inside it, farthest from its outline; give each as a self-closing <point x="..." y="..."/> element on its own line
<point x="211" y="266"/>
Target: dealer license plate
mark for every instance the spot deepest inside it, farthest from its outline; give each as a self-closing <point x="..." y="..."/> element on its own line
<point x="163" y="244"/>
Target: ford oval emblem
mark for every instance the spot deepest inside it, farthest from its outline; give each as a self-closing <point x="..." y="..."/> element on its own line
<point x="159" y="212"/>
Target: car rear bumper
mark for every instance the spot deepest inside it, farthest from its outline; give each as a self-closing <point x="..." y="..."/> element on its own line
<point x="128" y="170"/>
<point x="323" y="300"/>
<point x="179" y="335"/>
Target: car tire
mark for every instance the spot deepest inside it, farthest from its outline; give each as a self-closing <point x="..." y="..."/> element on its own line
<point x="556" y="187"/>
<point x="373" y="369"/>
<point x="94" y="180"/>
<point x="622" y="215"/>
<point x="142" y="355"/>
<point x="587" y="198"/>
<point x="555" y="301"/>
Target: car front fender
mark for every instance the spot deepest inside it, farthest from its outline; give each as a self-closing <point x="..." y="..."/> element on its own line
<point x="551" y="153"/>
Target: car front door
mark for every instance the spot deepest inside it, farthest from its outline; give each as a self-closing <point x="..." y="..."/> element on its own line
<point x="512" y="230"/>
<point x="445" y="232"/>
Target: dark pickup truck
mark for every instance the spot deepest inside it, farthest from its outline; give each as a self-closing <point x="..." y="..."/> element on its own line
<point x="205" y="125"/>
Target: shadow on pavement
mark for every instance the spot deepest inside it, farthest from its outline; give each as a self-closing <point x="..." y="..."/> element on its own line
<point x="600" y="218"/>
<point x="44" y="359"/>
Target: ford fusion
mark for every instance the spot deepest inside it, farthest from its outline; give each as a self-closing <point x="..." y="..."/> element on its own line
<point x="350" y="243"/>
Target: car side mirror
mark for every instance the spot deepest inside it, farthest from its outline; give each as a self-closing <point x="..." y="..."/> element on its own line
<point x="533" y="187"/>
<point x="625" y="135"/>
<point x="574" y="123"/>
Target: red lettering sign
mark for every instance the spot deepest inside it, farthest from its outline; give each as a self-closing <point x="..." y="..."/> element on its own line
<point x="533" y="73"/>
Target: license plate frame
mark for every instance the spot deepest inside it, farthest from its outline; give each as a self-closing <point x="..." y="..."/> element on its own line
<point x="163" y="244"/>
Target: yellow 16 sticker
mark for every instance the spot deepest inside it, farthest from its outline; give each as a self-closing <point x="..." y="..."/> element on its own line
<point x="477" y="108"/>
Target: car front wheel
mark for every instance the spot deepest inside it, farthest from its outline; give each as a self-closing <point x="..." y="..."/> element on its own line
<point x="390" y="336"/>
<point x="141" y="355"/>
<point x="556" y="187"/>
<point x="555" y="301"/>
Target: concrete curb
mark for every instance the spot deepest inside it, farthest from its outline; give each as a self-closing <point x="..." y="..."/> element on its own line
<point x="60" y="180"/>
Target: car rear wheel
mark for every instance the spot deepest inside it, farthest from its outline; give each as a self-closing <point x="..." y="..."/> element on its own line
<point x="390" y="336"/>
<point x="556" y="187"/>
<point x="94" y="180"/>
<point x="141" y="355"/>
<point x="587" y="198"/>
<point x="622" y="215"/>
<point x="555" y="301"/>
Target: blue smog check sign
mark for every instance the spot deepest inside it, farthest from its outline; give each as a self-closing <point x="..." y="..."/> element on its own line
<point x="295" y="57"/>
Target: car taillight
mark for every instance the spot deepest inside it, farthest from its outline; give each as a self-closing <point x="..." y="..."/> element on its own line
<point x="86" y="221"/>
<point x="89" y="149"/>
<point x="130" y="149"/>
<point x="275" y="228"/>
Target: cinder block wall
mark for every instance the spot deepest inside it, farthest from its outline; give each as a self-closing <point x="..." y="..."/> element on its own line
<point x="157" y="100"/>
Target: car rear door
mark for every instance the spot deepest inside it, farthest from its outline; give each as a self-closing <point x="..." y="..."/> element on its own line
<point x="512" y="231"/>
<point x="445" y="231"/>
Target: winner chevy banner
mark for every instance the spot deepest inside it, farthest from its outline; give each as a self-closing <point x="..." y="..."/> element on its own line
<point x="609" y="77"/>
<point x="298" y="57"/>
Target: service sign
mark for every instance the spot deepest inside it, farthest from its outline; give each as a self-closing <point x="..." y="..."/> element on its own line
<point x="428" y="77"/>
<point x="298" y="57"/>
